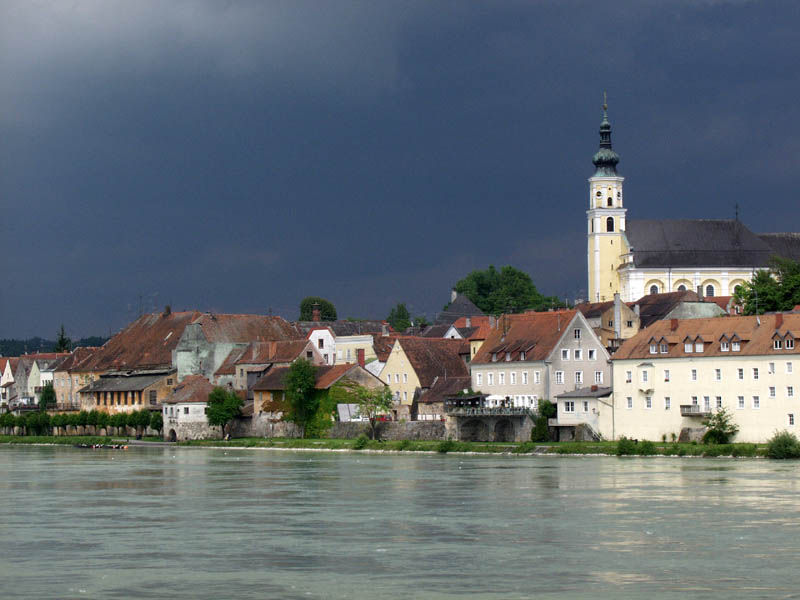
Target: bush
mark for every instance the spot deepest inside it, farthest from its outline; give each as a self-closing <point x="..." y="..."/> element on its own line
<point x="783" y="445"/>
<point x="721" y="428"/>
<point x="625" y="447"/>
<point x="403" y="445"/>
<point x="446" y="446"/>
<point x="541" y="431"/>
<point x="647" y="448"/>
<point x="361" y="442"/>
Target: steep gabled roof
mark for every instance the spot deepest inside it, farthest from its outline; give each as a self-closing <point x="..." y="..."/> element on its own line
<point x="193" y="388"/>
<point x="785" y="245"/>
<point x="442" y="388"/>
<point x="343" y="327"/>
<point x="75" y="358"/>
<point x="654" y="307"/>
<point x="434" y="357"/>
<point x="233" y="328"/>
<point x="535" y="334"/>
<point x="325" y="376"/>
<point x="262" y="353"/>
<point x="482" y="326"/>
<point x="461" y="306"/>
<point x="594" y="310"/>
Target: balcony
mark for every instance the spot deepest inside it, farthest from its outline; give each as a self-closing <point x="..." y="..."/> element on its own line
<point x="694" y="410"/>
<point x="487" y="411"/>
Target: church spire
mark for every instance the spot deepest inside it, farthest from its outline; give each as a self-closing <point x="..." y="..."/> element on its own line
<point x="605" y="159"/>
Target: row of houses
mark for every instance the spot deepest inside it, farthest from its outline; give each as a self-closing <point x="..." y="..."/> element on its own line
<point x="647" y="369"/>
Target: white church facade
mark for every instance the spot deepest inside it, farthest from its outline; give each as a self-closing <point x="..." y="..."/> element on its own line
<point x="640" y="257"/>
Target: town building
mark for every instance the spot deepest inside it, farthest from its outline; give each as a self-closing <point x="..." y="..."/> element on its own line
<point x="68" y="378"/>
<point x="639" y="257"/>
<point x="185" y="410"/>
<point x="128" y="391"/>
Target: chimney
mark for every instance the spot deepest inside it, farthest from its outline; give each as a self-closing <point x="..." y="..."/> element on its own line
<point x="167" y="310"/>
<point x="384" y="330"/>
<point x="700" y="292"/>
<point x="360" y="357"/>
<point x="636" y="309"/>
<point x="315" y="314"/>
<point x="778" y="320"/>
<point x="273" y="347"/>
<point x="493" y="322"/>
<point x="617" y="316"/>
<point x="469" y="322"/>
<point x="673" y="324"/>
<point x="453" y="295"/>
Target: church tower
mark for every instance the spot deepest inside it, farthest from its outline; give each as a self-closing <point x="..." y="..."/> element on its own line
<point x="605" y="219"/>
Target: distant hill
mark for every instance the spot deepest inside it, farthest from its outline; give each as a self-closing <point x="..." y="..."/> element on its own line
<point x="14" y="347"/>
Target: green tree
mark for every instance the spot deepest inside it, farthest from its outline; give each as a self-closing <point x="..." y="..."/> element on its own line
<point x="783" y="445"/>
<point x="399" y="318"/>
<point x="541" y="430"/>
<point x="720" y="428"/>
<point x="774" y="290"/>
<point x="8" y="420"/>
<point x="300" y="392"/>
<point x="63" y="343"/>
<point x="223" y="406"/>
<point x="141" y="420"/>
<point x="47" y="399"/>
<point x="372" y="402"/>
<point x="506" y="290"/>
<point x="157" y="421"/>
<point x="102" y="419"/>
<point x="326" y="308"/>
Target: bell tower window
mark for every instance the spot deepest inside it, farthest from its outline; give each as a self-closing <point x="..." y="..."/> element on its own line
<point x="610" y="224"/>
<point x="610" y="201"/>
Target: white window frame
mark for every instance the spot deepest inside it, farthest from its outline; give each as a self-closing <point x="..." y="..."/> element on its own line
<point x="560" y="377"/>
<point x="512" y="378"/>
<point x="789" y="367"/>
<point x="698" y="347"/>
<point x="648" y="402"/>
<point x="578" y="377"/>
<point x="756" y="403"/>
<point x="653" y="348"/>
<point x="790" y="419"/>
<point x="790" y="391"/>
<point x="772" y="391"/>
<point x="576" y="334"/>
<point x="740" y="402"/>
<point x="666" y="375"/>
<point x="629" y="402"/>
<point x="565" y="354"/>
<point x="501" y="378"/>
<point x="725" y="347"/>
<point x="479" y="379"/>
<point x="628" y="376"/>
<point x="755" y="373"/>
<point x="664" y="349"/>
<point x="577" y="354"/>
<point x="524" y="378"/>
<point x="736" y="346"/>
<point x="598" y="377"/>
<point x="688" y="347"/>
<point x="740" y="374"/>
<point x="592" y="354"/>
<point x="667" y="403"/>
<point x="490" y="379"/>
<point x="717" y="374"/>
<point x="569" y="406"/>
<point x="693" y="375"/>
<point x="537" y="377"/>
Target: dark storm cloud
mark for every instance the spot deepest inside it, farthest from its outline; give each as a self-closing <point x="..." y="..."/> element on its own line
<point x="239" y="156"/>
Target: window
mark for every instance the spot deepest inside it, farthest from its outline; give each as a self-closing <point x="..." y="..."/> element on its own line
<point x="788" y="367"/>
<point x="706" y="403"/>
<point x="592" y="354"/>
<point x="771" y="368"/>
<point x="666" y="375"/>
<point x="610" y="224"/>
<point x="389" y="378"/>
<point x="710" y="291"/>
<point x="522" y="355"/>
<point x="740" y="374"/>
<point x="756" y="402"/>
<point x="309" y="355"/>
<point x="153" y="397"/>
<point x="688" y="347"/>
<point x="755" y="372"/>
<point x="490" y="379"/>
<point x="610" y="201"/>
<point x="790" y="391"/>
<point x="569" y="406"/>
<point x="186" y="410"/>
<point x="789" y="344"/>
<point x="564" y="354"/>
<point x="525" y="378"/>
<point x="501" y="379"/>
<point x="719" y="402"/>
<point x="664" y="349"/>
<point x="667" y="403"/>
<point x="578" y="377"/>
<point x="791" y="419"/>
<point x="397" y="377"/>
<point x="776" y="344"/>
<point x="644" y="376"/>
<point x="578" y="354"/>
<point x="576" y="334"/>
<point x="735" y="346"/>
<point x="585" y="406"/>
<point x="628" y="376"/>
<point x="653" y="289"/>
<point x="349" y="355"/>
<point x="339" y="355"/>
<point x="629" y="402"/>
<point x="598" y="377"/>
<point x="479" y="379"/>
<point x="694" y="400"/>
<point x="169" y="381"/>
<point x="513" y="377"/>
<point x="694" y="375"/>
<point x="653" y="348"/>
<point x="772" y="391"/>
<point x="559" y="376"/>
<point x="537" y="377"/>
<point x="648" y="402"/>
<point x="405" y="377"/>
<point x="610" y="322"/>
<point x="740" y="400"/>
<point x="508" y="356"/>
<point x="405" y="396"/>
<point x="494" y="356"/>
<point x="725" y="346"/>
<point x="629" y="324"/>
<point x="320" y="343"/>
<point x="718" y="374"/>
<point x="698" y="346"/>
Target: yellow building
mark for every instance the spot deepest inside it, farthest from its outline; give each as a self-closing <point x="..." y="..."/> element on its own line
<point x="639" y="257"/>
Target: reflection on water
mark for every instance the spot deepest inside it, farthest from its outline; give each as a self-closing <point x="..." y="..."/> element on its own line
<point x="196" y="523"/>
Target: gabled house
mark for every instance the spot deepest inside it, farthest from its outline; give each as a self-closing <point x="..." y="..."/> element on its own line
<point x="68" y="377"/>
<point x="415" y="364"/>
<point x="612" y="321"/>
<point x="342" y="340"/>
<point x="534" y="356"/>
<point x="431" y="402"/>
<point x="7" y="388"/>
<point x="185" y="410"/>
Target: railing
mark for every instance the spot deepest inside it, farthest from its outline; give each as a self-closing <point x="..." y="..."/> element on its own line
<point x="67" y="406"/>
<point x="494" y="411"/>
<point x="694" y="410"/>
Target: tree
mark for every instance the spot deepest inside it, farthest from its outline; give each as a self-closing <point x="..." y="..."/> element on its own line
<point x="506" y="290"/>
<point x="103" y="419"/>
<point x="156" y="421"/>
<point x="720" y="428"/>
<point x="372" y="402"/>
<point x="47" y="399"/>
<point x="63" y="343"/>
<point x="399" y="318"/>
<point x="326" y="308"/>
<point x="303" y="399"/>
<point x="541" y="430"/>
<point x="223" y="406"/>
<point x="774" y="290"/>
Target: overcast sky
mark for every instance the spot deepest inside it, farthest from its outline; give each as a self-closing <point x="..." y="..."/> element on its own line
<point x="239" y="156"/>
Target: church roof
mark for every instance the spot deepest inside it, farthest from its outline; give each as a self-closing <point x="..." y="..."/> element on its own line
<point x="785" y="245"/>
<point x="696" y="243"/>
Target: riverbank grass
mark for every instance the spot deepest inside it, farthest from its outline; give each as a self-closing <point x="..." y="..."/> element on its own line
<point x="54" y="439"/>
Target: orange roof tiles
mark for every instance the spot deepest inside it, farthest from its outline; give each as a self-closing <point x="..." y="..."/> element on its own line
<point x="325" y="377"/>
<point x="193" y="388"/>
<point x="536" y="334"/>
<point x="434" y="357"/>
<point x="482" y="325"/>
<point x="245" y="328"/>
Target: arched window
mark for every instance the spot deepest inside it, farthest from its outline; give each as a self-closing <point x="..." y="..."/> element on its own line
<point x="681" y="288"/>
<point x="653" y="289"/>
<point x="610" y="201"/>
<point x="710" y="290"/>
<point x="610" y="224"/>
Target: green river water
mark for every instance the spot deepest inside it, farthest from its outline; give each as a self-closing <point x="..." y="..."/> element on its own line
<point x="213" y="523"/>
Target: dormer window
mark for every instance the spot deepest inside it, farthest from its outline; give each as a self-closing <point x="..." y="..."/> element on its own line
<point x="790" y="343"/>
<point x="508" y="356"/>
<point x="725" y="346"/>
<point x="664" y="349"/>
<point x="653" y="348"/>
<point x="698" y="347"/>
<point x="736" y="346"/>
<point x="688" y="347"/>
<point x="776" y="344"/>
<point x="522" y="355"/>
<point x="494" y="356"/>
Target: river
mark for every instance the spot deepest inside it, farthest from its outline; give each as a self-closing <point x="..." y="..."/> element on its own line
<point x="200" y="523"/>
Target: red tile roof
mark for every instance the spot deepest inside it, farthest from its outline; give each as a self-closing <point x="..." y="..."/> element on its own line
<point x="482" y="325"/>
<point x="262" y="353"/>
<point x="535" y="334"/>
<point x="325" y="377"/>
<point x="434" y="357"/>
<point x="193" y="388"/>
<point x="442" y="388"/>
<point x="245" y="328"/>
<point x="76" y="357"/>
